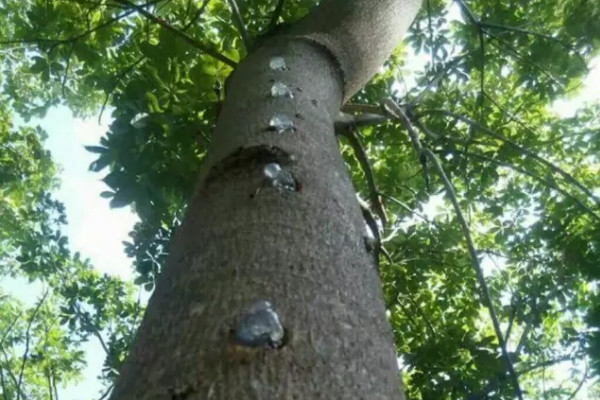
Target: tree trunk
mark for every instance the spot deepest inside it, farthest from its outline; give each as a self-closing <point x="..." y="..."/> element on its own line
<point x="275" y="218"/>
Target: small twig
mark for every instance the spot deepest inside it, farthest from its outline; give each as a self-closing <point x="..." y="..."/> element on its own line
<point x="410" y="210"/>
<point x="361" y="155"/>
<point x="11" y="375"/>
<point x="238" y="20"/>
<point x="545" y="181"/>
<point x="118" y="78"/>
<point x="7" y="331"/>
<point x="27" y="341"/>
<point x="430" y="27"/>
<point x="423" y="315"/>
<point x="482" y="79"/>
<point x="511" y="319"/>
<point x="276" y="14"/>
<point x="197" y="15"/>
<point x="205" y="48"/>
<point x="568" y="177"/>
<point x="93" y="328"/>
<point x="523" y="338"/>
<point x="526" y="60"/>
<point x="106" y="392"/>
<point x="66" y="74"/>
<point x="467" y="11"/>
<point x="525" y="32"/>
<point x="395" y="111"/>
<point x="581" y="382"/>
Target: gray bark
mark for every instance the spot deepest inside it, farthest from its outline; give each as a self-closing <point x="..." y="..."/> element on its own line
<point x="245" y="238"/>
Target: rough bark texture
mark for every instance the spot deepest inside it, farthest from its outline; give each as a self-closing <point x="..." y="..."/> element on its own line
<point x="303" y="250"/>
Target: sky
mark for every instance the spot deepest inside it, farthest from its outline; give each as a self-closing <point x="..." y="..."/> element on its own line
<point x="94" y="229"/>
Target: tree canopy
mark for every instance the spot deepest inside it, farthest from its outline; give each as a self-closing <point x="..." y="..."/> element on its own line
<point x="521" y="180"/>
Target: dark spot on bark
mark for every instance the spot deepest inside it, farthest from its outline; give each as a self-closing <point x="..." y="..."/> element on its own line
<point x="369" y="243"/>
<point x="181" y="393"/>
<point x="245" y="158"/>
<point x="299" y="116"/>
<point x="299" y="90"/>
<point x="315" y="102"/>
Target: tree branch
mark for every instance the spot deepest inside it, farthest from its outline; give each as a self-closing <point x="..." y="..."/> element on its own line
<point x="361" y="155"/>
<point x="205" y="48"/>
<point x="27" y="341"/>
<point x="197" y="15"/>
<point x="238" y="20"/>
<point x="478" y="270"/>
<point x="118" y="78"/>
<point x="276" y="14"/>
<point x="487" y="300"/>
<point x="546" y="182"/>
<point x="525" y="59"/>
<point x="92" y="327"/>
<point x="568" y="177"/>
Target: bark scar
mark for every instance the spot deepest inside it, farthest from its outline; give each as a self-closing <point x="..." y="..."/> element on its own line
<point x="247" y="157"/>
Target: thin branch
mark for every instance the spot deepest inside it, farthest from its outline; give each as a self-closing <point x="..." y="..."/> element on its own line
<point x="118" y="78"/>
<point x="410" y="210"/>
<point x="430" y="27"/>
<point x="392" y="109"/>
<point x="11" y="375"/>
<point x="7" y="331"/>
<point x="238" y="20"/>
<point x="66" y="74"/>
<point x="363" y="159"/>
<point x="523" y="338"/>
<point x="581" y="382"/>
<point x="568" y="177"/>
<point x="478" y="270"/>
<point x="511" y="320"/>
<point x="482" y="80"/>
<point x="546" y="182"/>
<point x="106" y="392"/>
<point x="467" y="11"/>
<point x="423" y="315"/>
<point x="492" y="25"/>
<point x="2" y="382"/>
<point x="276" y="14"/>
<point x="82" y="35"/>
<point x="403" y="119"/>
<point x="205" y="48"/>
<point x="197" y="15"/>
<point x="546" y="363"/>
<point x="93" y="328"/>
<point x="27" y="341"/>
<point x="527" y="60"/>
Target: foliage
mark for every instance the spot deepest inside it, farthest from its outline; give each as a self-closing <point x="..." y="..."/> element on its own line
<point x="41" y="346"/>
<point x="527" y="181"/>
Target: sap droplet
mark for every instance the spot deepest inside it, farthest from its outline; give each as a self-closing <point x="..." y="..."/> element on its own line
<point x="280" y="89"/>
<point x="279" y="178"/>
<point x="272" y="170"/>
<point x="260" y="327"/>
<point x="281" y="123"/>
<point x="277" y="63"/>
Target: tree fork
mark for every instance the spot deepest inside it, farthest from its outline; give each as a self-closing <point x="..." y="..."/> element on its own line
<point x="274" y="219"/>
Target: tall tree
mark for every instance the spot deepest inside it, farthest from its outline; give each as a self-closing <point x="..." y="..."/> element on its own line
<point x="520" y="185"/>
<point x="274" y="219"/>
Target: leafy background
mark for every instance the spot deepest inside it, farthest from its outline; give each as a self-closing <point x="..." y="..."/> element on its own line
<point x="526" y="179"/>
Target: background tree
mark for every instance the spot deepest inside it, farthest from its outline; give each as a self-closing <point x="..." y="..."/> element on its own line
<point x="41" y="343"/>
<point x="526" y="181"/>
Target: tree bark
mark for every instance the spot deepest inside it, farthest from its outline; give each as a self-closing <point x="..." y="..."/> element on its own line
<point x="296" y="241"/>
